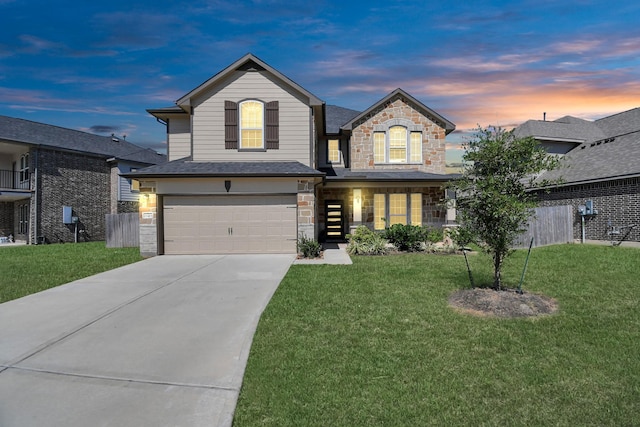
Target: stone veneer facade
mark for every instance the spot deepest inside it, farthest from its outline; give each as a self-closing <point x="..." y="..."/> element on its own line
<point x="398" y="112"/>
<point x="433" y="210"/>
<point x="307" y="211"/>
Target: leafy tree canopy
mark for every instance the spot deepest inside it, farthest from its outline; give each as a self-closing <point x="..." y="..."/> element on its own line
<point x="492" y="200"/>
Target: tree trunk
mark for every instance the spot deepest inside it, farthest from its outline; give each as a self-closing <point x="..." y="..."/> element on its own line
<point x="497" y="267"/>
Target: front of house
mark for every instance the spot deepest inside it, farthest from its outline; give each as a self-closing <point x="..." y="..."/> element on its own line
<point x="255" y="160"/>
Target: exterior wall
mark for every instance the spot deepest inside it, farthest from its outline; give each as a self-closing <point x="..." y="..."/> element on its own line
<point x="617" y="203"/>
<point x="433" y="139"/>
<point x="307" y="210"/>
<point x="82" y="182"/>
<point x="127" y="207"/>
<point x="433" y="211"/>
<point x="6" y="219"/>
<point x="149" y="220"/>
<point x="295" y="120"/>
<point x="179" y="138"/>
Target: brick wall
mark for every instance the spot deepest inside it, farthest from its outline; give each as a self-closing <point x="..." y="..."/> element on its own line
<point x="6" y="218"/>
<point x="69" y="179"/>
<point x="617" y="203"/>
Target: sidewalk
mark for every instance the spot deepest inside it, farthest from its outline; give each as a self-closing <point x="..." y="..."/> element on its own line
<point x="334" y="253"/>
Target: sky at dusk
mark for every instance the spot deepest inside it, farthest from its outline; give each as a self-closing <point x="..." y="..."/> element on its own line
<point x="97" y="66"/>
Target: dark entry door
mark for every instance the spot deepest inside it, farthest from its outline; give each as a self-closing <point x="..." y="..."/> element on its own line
<point x="334" y="220"/>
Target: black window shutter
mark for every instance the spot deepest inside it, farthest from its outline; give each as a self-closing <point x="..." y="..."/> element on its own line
<point x="230" y="125"/>
<point x="272" y="131"/>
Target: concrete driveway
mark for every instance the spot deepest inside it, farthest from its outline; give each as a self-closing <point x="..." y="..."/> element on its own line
<point x="163" y="342"/>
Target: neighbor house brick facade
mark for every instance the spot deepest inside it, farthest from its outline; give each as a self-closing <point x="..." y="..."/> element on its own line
<point x="44" y="167"/>
<point x="255" y="161"/>
<point x="600" y="163"/>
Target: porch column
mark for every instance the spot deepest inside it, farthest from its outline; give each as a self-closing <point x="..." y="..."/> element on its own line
<point x="307" y="209"/>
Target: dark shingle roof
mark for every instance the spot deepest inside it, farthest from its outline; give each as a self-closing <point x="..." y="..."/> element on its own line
<point x="564" y="129"/>
<point x="336" y="116"/>
<point x="33" y="133"/>
<point x="341" y="174"/>
<point x="611" y="147"/>
<point x="187" y="167"/>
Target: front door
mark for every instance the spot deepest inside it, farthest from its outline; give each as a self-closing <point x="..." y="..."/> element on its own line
<point x="334" y="220"/>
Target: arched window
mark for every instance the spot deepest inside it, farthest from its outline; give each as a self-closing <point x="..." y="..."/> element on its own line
<point x="251" y="124"/>
<point x="397" y="144"/>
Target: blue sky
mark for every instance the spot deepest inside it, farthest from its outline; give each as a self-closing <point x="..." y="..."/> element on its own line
<point x="97" y="66"/>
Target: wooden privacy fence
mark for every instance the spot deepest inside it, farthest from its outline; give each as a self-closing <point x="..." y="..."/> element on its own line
<point x="122" y="230"/>
<point x="549" y="225"/>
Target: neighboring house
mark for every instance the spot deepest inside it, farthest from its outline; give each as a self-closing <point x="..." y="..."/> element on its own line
<point x="601" y="163"/>
<point x="255" y="160"/>
<point x="44" y="168"/>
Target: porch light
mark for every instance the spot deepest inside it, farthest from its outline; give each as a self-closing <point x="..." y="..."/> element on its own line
<point x="357" y="205"/>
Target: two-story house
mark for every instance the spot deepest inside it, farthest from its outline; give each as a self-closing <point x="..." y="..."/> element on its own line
<point x="48" y="170"/>
<point x="255" y="160"/>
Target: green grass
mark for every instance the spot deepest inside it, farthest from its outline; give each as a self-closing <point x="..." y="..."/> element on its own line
<point x="376" y="344"/>
<point x="28" y="269"/>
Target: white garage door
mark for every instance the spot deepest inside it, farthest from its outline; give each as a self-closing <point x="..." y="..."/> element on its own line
<point x="230" y="224"/>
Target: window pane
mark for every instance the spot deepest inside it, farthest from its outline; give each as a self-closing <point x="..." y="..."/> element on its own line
<point x="378" y="147"/>
<point x="333" y="154"/>
<point x="251" y="114"/>
<point x="251" y="138"/>
<point x="397" y="144"/>
<point x="416" y="209"/>
<point x="251" y="124"/>
<point x="397" y="209"/>
<point x="379" y="213"/>
<point x="416" y="147"/>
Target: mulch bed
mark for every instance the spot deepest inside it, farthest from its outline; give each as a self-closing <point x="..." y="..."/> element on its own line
<point x="506" y="303"/>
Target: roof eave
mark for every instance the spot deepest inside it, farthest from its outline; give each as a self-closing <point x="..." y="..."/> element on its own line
<point x="448" y="126"/>
<point x="185" y="101"/>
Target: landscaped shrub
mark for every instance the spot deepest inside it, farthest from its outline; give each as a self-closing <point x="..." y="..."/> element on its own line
<point x="308" y="248"/>
<point x="406" y="237"/>
<point x="366" y="242"/>
<point x="433" y="234"/>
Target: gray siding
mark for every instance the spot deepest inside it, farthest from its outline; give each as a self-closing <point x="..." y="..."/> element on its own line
<point x="208" y="120"/>
<point x="179" y="138"/>
<point x="124" y="184"/>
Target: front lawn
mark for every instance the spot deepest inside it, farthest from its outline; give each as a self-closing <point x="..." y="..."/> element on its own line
<point x="376" y="344"/>
<point x="28" y="269"/>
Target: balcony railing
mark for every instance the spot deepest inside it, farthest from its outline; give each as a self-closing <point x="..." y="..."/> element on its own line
<point x="14" y="180"/>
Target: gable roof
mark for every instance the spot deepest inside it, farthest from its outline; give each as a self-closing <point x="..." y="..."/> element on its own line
<point x="610" y="148"/>
<point x="41" y="134"/>
<point x="401" y="94"/>
<point x="249" y="61"/>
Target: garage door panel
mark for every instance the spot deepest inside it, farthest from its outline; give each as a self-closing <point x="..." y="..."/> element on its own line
<point x="230" y="224"/>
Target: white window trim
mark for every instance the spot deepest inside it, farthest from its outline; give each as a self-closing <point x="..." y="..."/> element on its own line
<point x="240" y="128"/>
<point x="408" y="211"/>
<point x="410" y="128"/>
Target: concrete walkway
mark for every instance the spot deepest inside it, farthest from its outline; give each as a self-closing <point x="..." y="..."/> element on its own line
<point x="163" y="342"/>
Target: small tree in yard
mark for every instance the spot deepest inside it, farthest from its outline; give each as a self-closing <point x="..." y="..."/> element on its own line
<point x="492" y="200"/>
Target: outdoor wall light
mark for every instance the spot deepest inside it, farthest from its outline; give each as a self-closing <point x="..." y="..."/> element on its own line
<point x="357" y="205"/>
<point x="227" y="185"/>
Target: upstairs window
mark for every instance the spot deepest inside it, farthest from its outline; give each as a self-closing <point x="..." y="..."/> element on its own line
<point x="397" y="145"/>
<point x="333" y="151"/>
<point x="251" y="124"/>
<point x="24" y="168"/>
